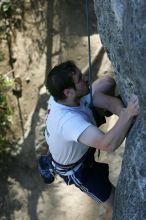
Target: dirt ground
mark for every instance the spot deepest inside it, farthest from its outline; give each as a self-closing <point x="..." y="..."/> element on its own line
<point x="23" y="195"/>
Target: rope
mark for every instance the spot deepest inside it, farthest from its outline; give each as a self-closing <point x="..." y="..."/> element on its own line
<point x="90" y="68"/>
<point x="89" y="51"/>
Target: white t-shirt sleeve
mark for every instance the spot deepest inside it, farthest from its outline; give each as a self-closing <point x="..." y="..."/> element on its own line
<point x="73" y="127"/>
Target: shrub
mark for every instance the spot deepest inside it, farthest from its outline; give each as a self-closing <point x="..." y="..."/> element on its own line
<point x="5" y="118"/>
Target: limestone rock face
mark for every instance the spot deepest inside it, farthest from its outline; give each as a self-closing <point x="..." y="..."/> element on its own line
<point x="122" y="28"/>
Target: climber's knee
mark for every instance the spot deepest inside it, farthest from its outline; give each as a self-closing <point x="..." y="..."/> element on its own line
<point x="105" y="85"/>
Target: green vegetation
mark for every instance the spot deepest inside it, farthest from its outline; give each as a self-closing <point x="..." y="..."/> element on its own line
<point x="10" y="19"/>
<point x="10" y="16"/>
<point x="7" y="148"/>
<point x="5" y="119"/>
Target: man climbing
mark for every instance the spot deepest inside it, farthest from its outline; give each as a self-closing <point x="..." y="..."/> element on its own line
<point x="72" y="135"/>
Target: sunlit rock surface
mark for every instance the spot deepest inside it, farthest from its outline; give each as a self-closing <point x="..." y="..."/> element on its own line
<point x="122" y="27"/>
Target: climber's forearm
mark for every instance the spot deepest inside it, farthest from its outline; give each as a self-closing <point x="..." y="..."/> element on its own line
<point x="114" y="138"/>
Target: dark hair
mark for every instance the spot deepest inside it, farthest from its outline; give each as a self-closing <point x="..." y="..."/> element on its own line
<point x="60" y="78"/>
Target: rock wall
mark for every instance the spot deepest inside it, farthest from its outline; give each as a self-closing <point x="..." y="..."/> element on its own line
<point x="122" y="28"/>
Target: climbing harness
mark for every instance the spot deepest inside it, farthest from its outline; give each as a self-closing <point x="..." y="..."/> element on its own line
<point x="48" y="167"/>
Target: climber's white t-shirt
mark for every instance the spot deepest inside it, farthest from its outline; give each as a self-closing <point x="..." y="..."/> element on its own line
<point x="64" y="125"/>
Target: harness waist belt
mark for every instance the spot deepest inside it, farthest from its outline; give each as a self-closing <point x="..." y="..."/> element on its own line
<point x="71" y="166"/>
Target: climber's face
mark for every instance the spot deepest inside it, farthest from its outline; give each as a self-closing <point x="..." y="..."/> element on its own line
<point x="81" y="84"/>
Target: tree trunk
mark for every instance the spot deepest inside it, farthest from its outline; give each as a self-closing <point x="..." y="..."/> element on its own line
<point x="122" y="28"/>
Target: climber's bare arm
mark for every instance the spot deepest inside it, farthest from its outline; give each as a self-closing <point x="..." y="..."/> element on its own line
<point x="103" y="90"/>
<point x="107" y="102"/>
<point x="110" y="141"/>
